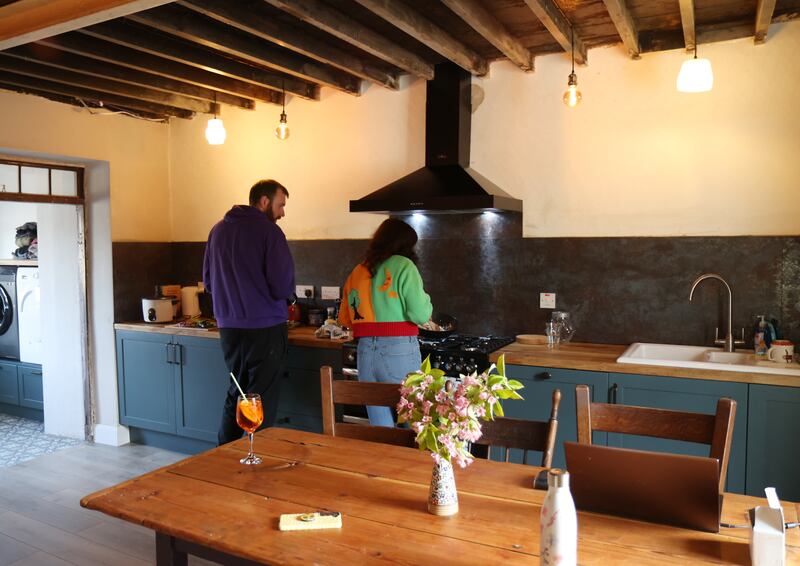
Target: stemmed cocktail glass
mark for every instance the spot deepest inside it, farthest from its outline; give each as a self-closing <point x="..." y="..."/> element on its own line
<point x="249" y="416"/>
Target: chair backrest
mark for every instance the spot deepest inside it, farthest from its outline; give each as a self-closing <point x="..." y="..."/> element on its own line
<point x="715" y="430"/>
<point x="346" y="392"/>
<point x="506" y="433"/>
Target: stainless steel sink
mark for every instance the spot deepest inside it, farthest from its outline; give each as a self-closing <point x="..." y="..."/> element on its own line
<point x="700" y="357"/>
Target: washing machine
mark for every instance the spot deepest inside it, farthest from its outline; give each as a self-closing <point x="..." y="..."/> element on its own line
<point x="9" y="329"/>
<point x="29" y="315"/>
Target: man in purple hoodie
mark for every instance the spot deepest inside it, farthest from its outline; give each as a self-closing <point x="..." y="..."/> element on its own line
<point x="249" y="271"/>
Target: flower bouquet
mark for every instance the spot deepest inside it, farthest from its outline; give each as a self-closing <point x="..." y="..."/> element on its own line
<point x="446" y="417"/>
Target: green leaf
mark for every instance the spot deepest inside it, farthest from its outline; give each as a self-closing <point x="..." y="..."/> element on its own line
<point x="437" y="373"/>
<point x="514" y="384"/>
<point x="498" y="409"/>
<point x="515" y="395"/>
<point x="426" y="366"/>
<point x="414" y="379"/>
<point x="501" y="364"/>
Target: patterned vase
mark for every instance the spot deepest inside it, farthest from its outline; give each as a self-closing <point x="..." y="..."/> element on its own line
<point x="442" y="497"/>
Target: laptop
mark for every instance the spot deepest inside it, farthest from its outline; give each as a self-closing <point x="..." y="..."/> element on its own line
<point x="652" y="486"/>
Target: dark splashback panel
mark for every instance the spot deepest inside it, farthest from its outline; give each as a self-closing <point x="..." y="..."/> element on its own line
<point x="619" y="290"/>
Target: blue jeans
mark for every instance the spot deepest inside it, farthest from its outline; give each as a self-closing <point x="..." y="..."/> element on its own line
<point x="387" y="359"/>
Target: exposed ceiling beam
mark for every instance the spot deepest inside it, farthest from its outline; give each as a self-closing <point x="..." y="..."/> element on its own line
<point x="99" y="84"/>
<point x="145" y="39"/>
<point x="336" y="23"/>
<point x="764" y="11"/>
<point x="25" y="21"/>
<point x="198" y="29"/>
<point x="428" y="33"/>
<point x="72" y="101"/>
<point x="115" y="54"/>
<point x="482" y="21"/>
<point x="687" y="21"/>
<point x="559" y="27"/>
<point x="250" y="16"/>
<point x="39" y="53"/>
<point x="626" y="27"/>
<point x="711" y="33"/>
<point x="90" y="94"/>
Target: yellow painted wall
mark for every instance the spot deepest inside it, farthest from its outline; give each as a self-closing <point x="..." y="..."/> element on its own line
<point x="138" y="153"/>
<point x="637" y="158"/>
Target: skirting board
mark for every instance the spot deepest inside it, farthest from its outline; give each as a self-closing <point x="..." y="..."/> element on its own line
<point x="111" y="435"/>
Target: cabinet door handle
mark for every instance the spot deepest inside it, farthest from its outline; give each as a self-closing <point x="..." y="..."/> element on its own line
<point x="168" y="350"/>
<point x="36" y="373"/>
<point x="178" y="355"/>
<point x="614" y="391"/>
<point x="284" y="420"/>
<point x="543" y="375"/>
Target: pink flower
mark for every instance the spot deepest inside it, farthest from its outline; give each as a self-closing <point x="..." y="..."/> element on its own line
<point x="480" y="411"/>
<point x="416" y="427"/>
<point x="442" y="410"/>
<point x="492" y="399"/>
<point x="436" y="457"/>
<point x="419" y="396"/>
<point x="426" y="407"/>
<point x="496" y="386"/>
<point x="484" y="395"/>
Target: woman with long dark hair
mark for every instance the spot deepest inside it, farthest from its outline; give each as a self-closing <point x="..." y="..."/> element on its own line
<point x="383" y="302"/>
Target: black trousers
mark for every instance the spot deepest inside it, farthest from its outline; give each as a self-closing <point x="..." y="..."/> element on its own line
<point x="256" y="356"/>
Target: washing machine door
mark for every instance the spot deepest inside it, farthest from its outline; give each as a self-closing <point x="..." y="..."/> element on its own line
<point x="6" y="310"/>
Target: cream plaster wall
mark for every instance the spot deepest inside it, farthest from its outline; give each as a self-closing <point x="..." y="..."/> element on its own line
<point x="138" y="152"/>
<point x="636" y="158"/>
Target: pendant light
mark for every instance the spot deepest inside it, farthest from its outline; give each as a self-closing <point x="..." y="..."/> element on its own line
<point x="695" y="75"/>
<point x="572" y="96"/>
<point x="282" y="131"/>
<point x="215" y="130"/>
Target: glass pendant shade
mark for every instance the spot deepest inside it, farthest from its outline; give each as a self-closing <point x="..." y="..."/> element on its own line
<point x="572" y="96"/>
<point x="282" y="131"/>
<point x="215" y="132"/>
<point x="695" y="76"/>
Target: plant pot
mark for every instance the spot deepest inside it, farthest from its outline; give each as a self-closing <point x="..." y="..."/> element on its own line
<point x="442" y="497"/>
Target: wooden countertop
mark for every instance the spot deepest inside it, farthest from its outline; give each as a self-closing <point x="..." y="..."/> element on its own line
<point x="20" y="262"/>
<point x="299" y="336"/>
<point x="603" y="357"/>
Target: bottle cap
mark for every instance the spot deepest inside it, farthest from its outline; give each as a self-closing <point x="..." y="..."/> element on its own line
<point x="557" y="478"/>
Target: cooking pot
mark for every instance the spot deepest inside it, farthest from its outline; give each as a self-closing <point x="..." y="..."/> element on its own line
<point x="445" y="321"/>
<point x="157" y="309"/>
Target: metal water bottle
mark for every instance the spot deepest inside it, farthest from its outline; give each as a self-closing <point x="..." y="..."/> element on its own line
<point x="559" y="523"/>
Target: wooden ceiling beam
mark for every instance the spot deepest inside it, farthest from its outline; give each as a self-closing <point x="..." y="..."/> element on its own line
<point x="145" y="39"/>
<point x="39" y="53"/>
<point x="90" y="94"/>
<point x="145" y="62"/>
<point x="711" y="33"/>
<point x="764" y="11"/>
<point x="329" y="20"/>
<point x="25" y="21"/>
<point x="99" y="84"/>
<point x="559" y="27"/>
<point x="482" y="21"/>
<point x="687" y="21"/>
<point x="428" y="33"/>
<point x="626" y="26"/>
<point x="198" y="29"/>
<point x="249" y="16"/>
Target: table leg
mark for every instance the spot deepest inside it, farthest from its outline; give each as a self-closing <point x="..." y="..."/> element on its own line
<point x="167" y="554"/>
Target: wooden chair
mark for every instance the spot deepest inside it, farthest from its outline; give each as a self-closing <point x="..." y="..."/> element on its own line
<point x="506" y="433"/>
<point x="360" y="393"/>
<point x="715" y="430"/>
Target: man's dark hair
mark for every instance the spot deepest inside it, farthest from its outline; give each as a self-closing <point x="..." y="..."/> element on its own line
<point x="265" y="188"/>
<point x="393" y="237"/>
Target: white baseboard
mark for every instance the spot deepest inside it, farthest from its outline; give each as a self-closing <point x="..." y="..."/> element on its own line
<point x="111" y="435"/>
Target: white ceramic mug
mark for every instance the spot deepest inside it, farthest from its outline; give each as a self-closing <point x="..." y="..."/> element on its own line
<point x="781" y="351"/>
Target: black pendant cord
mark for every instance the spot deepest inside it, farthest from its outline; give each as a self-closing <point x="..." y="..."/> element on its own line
<point x="283" y="99"/>
<point x="572" y="40"/>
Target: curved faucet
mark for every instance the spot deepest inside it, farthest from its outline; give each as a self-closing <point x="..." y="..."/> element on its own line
<point x="728" y="342"/>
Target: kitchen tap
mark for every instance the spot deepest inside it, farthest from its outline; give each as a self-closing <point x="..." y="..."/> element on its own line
<point x="729" y="343"/>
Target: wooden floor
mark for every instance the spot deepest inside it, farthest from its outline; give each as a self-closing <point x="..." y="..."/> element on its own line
<point x="42" y="523"/>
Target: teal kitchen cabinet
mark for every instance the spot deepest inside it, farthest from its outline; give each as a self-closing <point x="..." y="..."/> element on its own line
<point x="201" y="383"/>
<point x="773" y="458"/>
<point x="9" y="387"/>
<point x="680" y="394"/>
<point x="146" y="380"/>
<point x="539" y="384"/>
<point x="31" y="393"/>
<point x="300" y="405"/>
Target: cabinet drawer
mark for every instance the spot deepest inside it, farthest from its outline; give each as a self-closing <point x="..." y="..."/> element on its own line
<point x="31" y="393"/>
<point x="300" y="392"/>
<point x="298" y="422"/>
<point x="9" y="387"/>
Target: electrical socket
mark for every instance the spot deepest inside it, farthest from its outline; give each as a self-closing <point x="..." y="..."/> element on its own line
<point x="304" y="291"/>
<point x="329" y="293"/>
<point x="547" y="300"/>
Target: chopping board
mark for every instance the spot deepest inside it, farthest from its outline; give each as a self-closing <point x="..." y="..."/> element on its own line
<point x="533" y="339"/>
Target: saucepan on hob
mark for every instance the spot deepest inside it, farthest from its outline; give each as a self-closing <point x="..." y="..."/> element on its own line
<point x="439" y="326"/>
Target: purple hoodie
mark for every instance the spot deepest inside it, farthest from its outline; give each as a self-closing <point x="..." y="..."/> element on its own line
<point x="248" y="269"/>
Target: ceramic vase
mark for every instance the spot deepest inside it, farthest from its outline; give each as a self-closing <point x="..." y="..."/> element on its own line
<point x="442" y="497"/>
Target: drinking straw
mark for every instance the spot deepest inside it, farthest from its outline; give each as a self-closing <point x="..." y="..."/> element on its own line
<point x="237" y="385"/>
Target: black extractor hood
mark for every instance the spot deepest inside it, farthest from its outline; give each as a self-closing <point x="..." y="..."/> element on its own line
<point x="446" y="184"/>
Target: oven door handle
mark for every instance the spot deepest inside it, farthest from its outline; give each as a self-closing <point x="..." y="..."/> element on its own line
<point x="350" y="373"/>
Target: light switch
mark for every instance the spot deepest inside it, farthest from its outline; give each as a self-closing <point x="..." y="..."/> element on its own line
<point x="547" y="300"/>
<point x="330" y="293"/>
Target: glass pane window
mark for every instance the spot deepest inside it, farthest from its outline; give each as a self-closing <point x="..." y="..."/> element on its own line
<point x="64" y="183"/>
<point x="35" y="180"/>
<point x="9" y="178"/>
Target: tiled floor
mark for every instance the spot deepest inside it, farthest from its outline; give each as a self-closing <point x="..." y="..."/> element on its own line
<point x="24" y="439"/>
<point x="43" y="524"/>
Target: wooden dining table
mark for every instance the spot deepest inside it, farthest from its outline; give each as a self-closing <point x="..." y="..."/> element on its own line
<point x="212" y="506"/>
